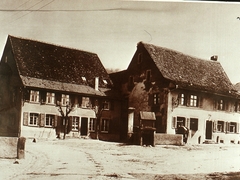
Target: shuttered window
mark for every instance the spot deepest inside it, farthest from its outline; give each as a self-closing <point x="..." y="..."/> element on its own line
<point x="25" y="118"/>
<point x="34" y="118"/>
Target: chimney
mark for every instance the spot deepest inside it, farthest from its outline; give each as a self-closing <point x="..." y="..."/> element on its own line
<point x="96" y="83"/>
<point x="214" y="58"/>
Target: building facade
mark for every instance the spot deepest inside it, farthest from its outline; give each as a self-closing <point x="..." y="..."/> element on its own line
<point x="179" y="89"/>
<point x="38" y="78"/>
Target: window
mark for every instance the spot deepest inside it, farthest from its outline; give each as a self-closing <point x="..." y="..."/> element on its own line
<point x="75" y="123"/>
<point x="232" y="127"/>
<point x="139" y="58"/>
<point x="92" y="124"/>
<point x="106" y="105"/>
<point x="105" y="125"/>
<point x="220" y="126"/>
<point x="49" y="120"/>
<point x="156" y="99"/>
<point x="34" y="96"/>
<point x="221" y="104"/>
<point x="194" y="124"/>
<point x="193" y="100"/>
<point x="33" y="119"/>
<point x="65" y="99"/>
<point x="50" y="98"/>
<point x="181" y="120"/>
<point x="182" y="100"/>
<point x="85" y="102"/>
<point x="148" y="75"/>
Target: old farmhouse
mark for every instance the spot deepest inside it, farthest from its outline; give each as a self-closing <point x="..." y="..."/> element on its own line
<point x="164" y="88"/>
<point x="37" y="78"/>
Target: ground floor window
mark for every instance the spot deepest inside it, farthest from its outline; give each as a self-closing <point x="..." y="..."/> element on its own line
<point x="181" y="121"/>
<point x="92" y="124"/>
<point x="194" y="124"/>
<point x="105" y="125"/>
<point x="75" y="123"/>
<point x="232" y="127"/>
<point x="220" y="126"/>
<point x="49" y="120"/>
<point x="33" y="119"/>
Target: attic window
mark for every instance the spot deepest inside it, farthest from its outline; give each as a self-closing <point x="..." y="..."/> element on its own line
<point x="139" y="58"/>
<point x="84" y="79"/>
<point x="104" y="81"/>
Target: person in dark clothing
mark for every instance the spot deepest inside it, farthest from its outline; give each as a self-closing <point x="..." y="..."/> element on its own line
<point x="184" y="131"/>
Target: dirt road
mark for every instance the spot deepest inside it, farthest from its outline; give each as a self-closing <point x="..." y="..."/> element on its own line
<point x="93" y="159"/>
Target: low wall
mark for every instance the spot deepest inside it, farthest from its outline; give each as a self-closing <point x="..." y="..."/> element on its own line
<point x="168" y="139"/>
<point x="8" y="147"/>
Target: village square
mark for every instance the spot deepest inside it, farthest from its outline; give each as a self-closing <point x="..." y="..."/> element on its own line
<point x="169" y="114"/>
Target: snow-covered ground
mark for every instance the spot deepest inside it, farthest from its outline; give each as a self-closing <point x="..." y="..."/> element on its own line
<point x="94" y="159"/>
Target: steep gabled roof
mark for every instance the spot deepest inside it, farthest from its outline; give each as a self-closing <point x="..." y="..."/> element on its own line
<point x="37" y="60"/>
<point x="189" y="72"/>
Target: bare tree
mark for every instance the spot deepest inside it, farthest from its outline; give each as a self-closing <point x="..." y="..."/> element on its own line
<point x="64" y="111"/>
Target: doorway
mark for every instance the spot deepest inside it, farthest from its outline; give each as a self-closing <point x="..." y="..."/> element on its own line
<point x="209" y="127"/>
<point x="84" y="126"/>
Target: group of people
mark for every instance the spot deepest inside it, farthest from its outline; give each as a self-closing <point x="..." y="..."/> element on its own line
<point x="181" y="129"/>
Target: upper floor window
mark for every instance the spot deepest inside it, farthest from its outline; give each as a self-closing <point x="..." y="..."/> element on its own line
<point x="50" y="98"/>
<point x="33" y="119"/>
<point x="148" y="75"/>
<point x="106" y="105"/>
<point x="65" y="99"/>
<point x="34" y="96"/>
<point x="75" y="123"/>
<point x="85" y="102"/>
<point x="156" y="99"/>
<point x="182" y="99"/>
<point x="49" y="120"/>
<point x="221" y="104"/>
<point x="193" y="100"/>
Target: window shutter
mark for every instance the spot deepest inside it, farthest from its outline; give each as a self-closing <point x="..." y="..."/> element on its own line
<point x="215" y="126"/>
<point x="55" y="121"/>
<point x="25" y="118"/>
<point x="227" y="127"/>
<point x="69" y="127"/>
<point x="72" y="99"/>
<point x="150" y="99"/>
<point x="226" y="106"/>
<point x="42" y="120"/>
<point x="215" y="104"/>
<point x="187" y="100"/>
<point x="188" y="123"/>
<point x="43" y="96"/>
<point x="200" y="101"/>
<point x="237" y="128"/>
<point x="174" y="122"/>
<point x="27" y="95"/>
<point x="58" y="97"/>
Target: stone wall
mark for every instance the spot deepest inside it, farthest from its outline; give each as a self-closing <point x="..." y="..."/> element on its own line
<point x="8" y="147"/>
<point x="168" y="139"/>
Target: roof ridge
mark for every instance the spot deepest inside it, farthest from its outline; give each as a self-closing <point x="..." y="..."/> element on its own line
<point x="53" y="44"/>
<point x="173" y="50"/>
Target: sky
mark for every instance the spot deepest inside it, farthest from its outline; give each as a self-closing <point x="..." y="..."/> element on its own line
<point x="112" y="29"/>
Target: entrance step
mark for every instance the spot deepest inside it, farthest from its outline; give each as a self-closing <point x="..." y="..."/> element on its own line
<point x="209" y="141"/>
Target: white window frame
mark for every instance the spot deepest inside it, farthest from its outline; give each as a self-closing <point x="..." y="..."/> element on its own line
<point x="220" y="126"/>
<point x="50" y="118"/>
<point x="33" y="119"/>
<point x="193" y="100"/>
<point x="106" y="105"/>
<point x="85" y="102"/>
<point x="34" y="96"/>
<point x="232" y="127"/>
<point x="182" y="99"/>
<point x="50" y="98"/>
<point x="65" y="99"/>
<point x="105" y="125"/>
<point x="75" y="123"/>
<point x="92" y="123"/>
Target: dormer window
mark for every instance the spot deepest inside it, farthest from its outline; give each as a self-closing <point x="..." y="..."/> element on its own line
<point x="105" y="82"/>
<point x="193" y="100"/>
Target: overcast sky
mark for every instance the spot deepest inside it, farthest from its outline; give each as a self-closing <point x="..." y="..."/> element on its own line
<point x="112" y="29"/>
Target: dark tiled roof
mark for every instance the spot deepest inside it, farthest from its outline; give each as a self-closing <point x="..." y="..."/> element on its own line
<point x="56" y="63"/>
<point x="190" y="72"/>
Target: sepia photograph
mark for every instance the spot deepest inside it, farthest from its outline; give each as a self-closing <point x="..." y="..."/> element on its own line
<point x="119" y="89"/>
